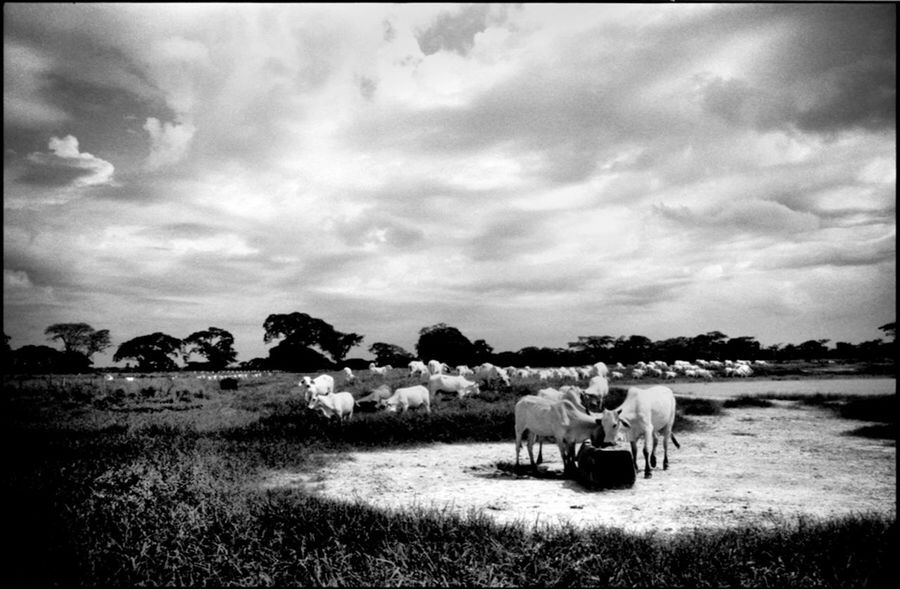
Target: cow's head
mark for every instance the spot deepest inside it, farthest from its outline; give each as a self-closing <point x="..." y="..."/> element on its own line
<point x="314" y="402"/>
<point x="471" y="388"/>
<point x="611" y="423"/>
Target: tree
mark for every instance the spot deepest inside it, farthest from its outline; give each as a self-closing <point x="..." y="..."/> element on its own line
<point x="592" y="348"/>
<point x="813" y="349"/>
<point x="151" y="352"/>
<point x="390" y="354"/>
<point x="445" y="344"/>
<point x="79" y="338"/>
<point x="483" y="351"/>
<point x="890" y="329"/>
<point x="214" y="344"/>
<point x="300" y="331"/>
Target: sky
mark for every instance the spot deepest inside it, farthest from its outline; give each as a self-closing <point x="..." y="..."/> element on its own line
<point x="525" y="173"/>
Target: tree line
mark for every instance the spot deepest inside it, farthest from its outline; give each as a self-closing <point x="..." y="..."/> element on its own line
<point x="307" y="344"/>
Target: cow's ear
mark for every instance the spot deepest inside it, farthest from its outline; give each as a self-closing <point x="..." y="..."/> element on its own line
<point x="624" y="422"/>
<point x="618" y="412"/>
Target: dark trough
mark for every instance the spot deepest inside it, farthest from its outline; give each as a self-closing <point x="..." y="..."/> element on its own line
<point x="604" y="469"/>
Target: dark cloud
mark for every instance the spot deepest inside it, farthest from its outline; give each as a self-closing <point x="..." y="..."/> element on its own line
<point x="834" y="69"/>
<point x="455" y="31"/>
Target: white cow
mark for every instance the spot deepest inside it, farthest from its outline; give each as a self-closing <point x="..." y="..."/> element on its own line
<point x="644" y="414"/>
<point x="452" y="384"/>
<point x="376" y="396"/>
<point x="597" y="389"/>
<point x="338" y="405"/>
<point x="382" y="370"/>
<point x="435" y="367"/>
<point x="418" y="367"/>
<point x="408" y="398"/>
<point x="488" y="371"/>
<point x="559" y="419"/>
<point x="348" y="374"/>
<point x="565" y="393"/>
<point x="320" y="385"/>
<point x="599" y="369"/>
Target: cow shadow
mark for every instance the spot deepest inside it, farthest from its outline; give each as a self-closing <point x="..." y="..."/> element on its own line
<point x="503" y="470"/>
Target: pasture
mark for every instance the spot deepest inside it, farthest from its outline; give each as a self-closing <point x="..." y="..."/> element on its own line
<point x="173" y="480"/>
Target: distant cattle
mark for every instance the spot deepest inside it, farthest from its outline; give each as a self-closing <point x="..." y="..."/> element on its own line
<point x="452" y="384"/>
<point x="645" y="413"/>
<point x="408" y="398"/>
<point x="338" y="405"/>
<point x="380" y="370"/>
<point x="320" y="385"/>
<point x="559" y="419"/>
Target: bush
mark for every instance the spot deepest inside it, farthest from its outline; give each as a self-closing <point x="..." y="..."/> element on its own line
<point x="228" y="384"/>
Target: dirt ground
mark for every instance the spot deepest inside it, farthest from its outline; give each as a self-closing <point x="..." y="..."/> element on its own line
<point x="749" y="465"/>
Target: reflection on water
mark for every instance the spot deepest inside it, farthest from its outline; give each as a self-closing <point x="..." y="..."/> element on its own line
<point x="827" y="386"/>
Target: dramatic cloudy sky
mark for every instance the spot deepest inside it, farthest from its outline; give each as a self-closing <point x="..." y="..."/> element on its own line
<point x="527" y="174"/>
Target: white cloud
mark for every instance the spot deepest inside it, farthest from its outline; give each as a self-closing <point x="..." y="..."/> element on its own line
<point x="169" y="142"/>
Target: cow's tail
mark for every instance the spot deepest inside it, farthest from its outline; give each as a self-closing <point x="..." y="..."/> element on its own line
<point x="674" y="441"/>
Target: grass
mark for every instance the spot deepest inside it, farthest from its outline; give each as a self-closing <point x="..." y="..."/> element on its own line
<point x="112" y="495"/>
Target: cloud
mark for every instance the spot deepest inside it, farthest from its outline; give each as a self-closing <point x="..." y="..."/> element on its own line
<point x="749" y="215"/>
<point x="169" y="142"/>
<point x="25" y="78"/>
<point x="66" y="166"/>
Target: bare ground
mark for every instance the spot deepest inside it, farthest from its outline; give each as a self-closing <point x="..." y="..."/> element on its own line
<point x="747" y="466"/>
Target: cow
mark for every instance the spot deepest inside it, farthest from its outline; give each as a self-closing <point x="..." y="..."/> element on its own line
<point x="568" y="393"/>
<point x="452" y="384"/>
<point x="348" y="374"/>
<point x="408" y="398"/>
<point x="375" y="396"/>
<point x="381" y="370"/>
<point x="435" y="367"/>
<point x="644" y="414"/>
<point x="418" y="367"/>
<point x="338" y="405"/>
<point x="560" y="419"/>
<point x="320" y="385"/>
<point x="488" y="371"/>
<point x="597" y="389"/>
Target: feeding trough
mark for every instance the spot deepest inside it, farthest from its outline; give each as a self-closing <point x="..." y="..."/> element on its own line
<point x="605" y="469"/>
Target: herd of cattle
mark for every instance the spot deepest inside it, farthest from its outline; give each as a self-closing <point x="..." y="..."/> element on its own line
<point x="552" y="414"/>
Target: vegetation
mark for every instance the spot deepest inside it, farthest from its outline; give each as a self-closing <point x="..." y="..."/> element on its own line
<point x="309" y="343"/>
<point x="132" y="483"/>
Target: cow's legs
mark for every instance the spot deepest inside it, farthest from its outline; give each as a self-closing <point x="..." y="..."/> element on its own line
<point x="666" y="434"/>
<point x="518" y="445"/>
<point x="648" y="441"/>
<point x="634" y="455"/>
<point x="540" y="450"/>
<point x="653" y="452"/>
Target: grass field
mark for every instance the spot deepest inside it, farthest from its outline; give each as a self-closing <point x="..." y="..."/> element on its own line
<point x="151" y="483"/>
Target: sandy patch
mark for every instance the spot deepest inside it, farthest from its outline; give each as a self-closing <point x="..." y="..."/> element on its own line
<point x="750" y="465"/>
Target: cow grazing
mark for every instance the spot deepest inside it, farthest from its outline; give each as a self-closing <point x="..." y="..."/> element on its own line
<point x="408" y="398"/>
<point x="320" y="385"/>
<point x="338" y="405"/>
<point x="560" y="419"/>
<point x="645" y="413"/>
<point x="567" y="393"/>
<point x="452" y="384"/>
<point x="348" y="374"/>
<point x="487" y="372"/>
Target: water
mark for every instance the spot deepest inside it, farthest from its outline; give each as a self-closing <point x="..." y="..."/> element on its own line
<point x="736" y="388"/>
